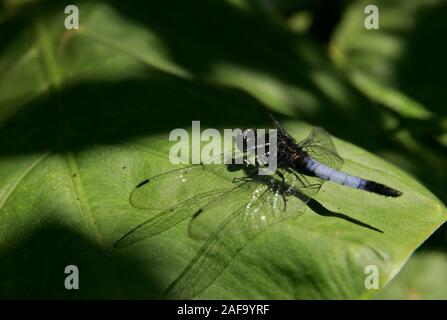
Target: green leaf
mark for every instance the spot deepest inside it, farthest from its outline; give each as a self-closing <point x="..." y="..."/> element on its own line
<point x="423" y="277"/>
<point x="399" y="65"/>
<point x="73" y="148"/>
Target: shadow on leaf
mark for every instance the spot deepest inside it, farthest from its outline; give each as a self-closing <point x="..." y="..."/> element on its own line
<point x="33" y="268"/>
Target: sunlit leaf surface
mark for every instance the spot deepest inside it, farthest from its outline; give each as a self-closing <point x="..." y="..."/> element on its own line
<point x="85" y="117"/>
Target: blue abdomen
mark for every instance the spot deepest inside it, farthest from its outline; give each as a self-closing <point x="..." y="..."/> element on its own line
<point x="327" y="173"/>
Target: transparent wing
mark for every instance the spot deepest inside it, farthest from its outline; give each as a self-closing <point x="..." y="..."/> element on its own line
<point x="277" y="198"/>
<point x="168" y="218"/>
<point x="211" y="259"/>
<point x="228" y="240"/>
<point x="173" y="187"/>
<point x="306" y="186"/>
<point x="157" y="192"/>
<point x="214" y="213"/>
<point x="179" y="194"/>
<point x="320" y="147"/>
<point x="271" y="203"/>
<point x="167" y="189"/>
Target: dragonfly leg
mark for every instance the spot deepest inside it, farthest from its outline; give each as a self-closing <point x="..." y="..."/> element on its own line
<point x="300" y="178"/>
<point x="243" y="179"/>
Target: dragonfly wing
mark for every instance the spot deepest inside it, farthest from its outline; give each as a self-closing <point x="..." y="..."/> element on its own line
<point x="168" y="218"/>
<point x="272" y="203"/>
<point x="214" y="213"/>
<point x="211" y="259"/>
<point x="320" y="147"/>
<point x="303" y="186"/>
<point x="233" y="234"/>
<point x="173" y="187"/>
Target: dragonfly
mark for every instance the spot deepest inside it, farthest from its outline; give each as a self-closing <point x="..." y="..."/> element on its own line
<point x="244" y="205"/>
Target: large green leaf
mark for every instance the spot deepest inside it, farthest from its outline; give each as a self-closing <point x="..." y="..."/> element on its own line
<point x="74" y="147"/>
<point x="393" y="63"/>
<point x="401" y="66"/>
<point x="423" y="277"/>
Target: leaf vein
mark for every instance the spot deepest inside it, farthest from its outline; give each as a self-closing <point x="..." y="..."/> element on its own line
<point x="25" y="172"/>
<point x="84" y="205"/>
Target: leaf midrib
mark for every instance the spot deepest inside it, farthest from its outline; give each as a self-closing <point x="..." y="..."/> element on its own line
<point x="55" y="79"/>
<point x="13" y="186"/>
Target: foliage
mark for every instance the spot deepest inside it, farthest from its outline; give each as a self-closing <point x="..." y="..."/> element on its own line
<point x="85" y="114"/>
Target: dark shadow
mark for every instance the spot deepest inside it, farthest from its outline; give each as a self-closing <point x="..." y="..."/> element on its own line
<point x="420" y="74"/>
<point x="13" y="25"/>
<point x="423" y="66"/>
<point x="322" y="211"/>
<point x="111" y="113"/>
<point x="437" y="241"/>
<point x="34" y="268"/>
<point x="203" y="34"/>
<point x="327" y="14"/>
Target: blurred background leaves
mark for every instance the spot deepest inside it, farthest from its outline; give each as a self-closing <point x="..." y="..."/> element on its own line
<point x="383" y="90"/>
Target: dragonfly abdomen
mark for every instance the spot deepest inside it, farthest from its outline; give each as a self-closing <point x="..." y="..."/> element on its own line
<point x="327" y="173"/>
